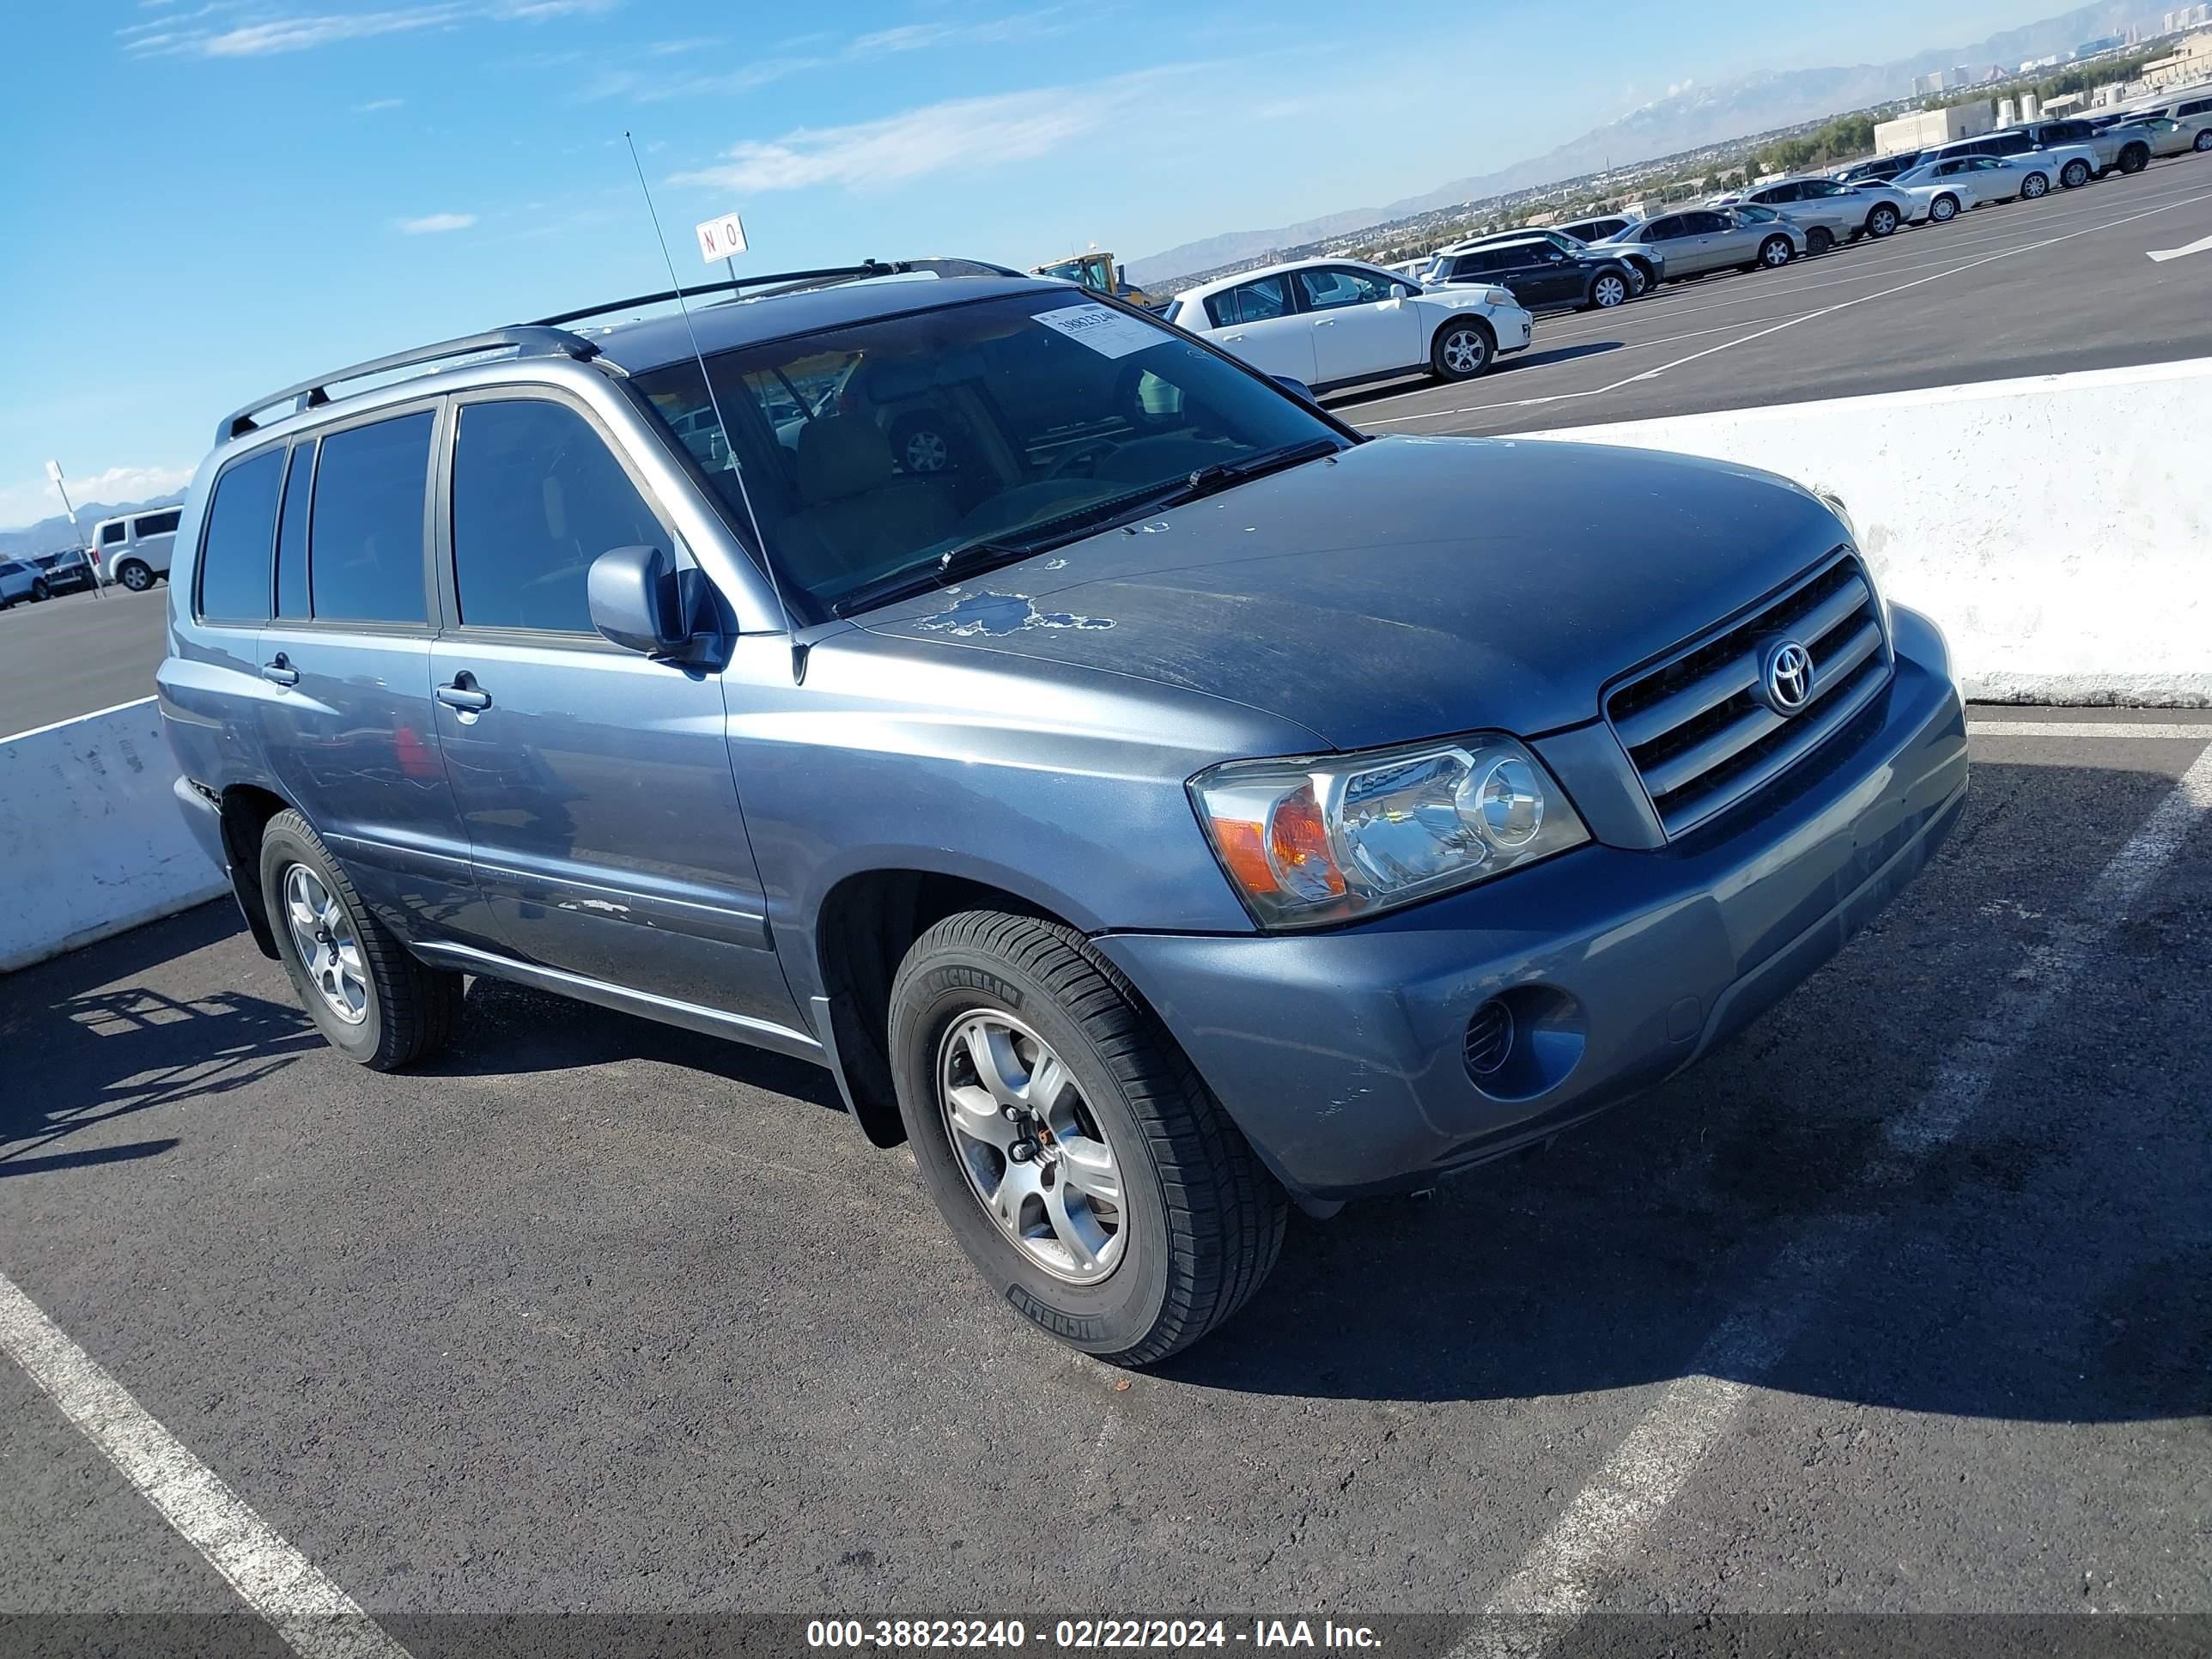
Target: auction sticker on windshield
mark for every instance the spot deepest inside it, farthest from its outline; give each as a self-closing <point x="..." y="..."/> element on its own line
<point x="1106" y="331"/>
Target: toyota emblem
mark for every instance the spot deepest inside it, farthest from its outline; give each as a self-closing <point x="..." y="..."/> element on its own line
<point x="1786" y="677"/>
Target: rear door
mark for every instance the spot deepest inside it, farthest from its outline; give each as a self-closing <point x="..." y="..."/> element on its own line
<point x="1361" y="323"/>
<point x="1257" y="321"/>
<point x="155" y="537"/>
<point x="593" y="783"/>
<point x="347" y="725"/>
<point x="1671" y="236"/>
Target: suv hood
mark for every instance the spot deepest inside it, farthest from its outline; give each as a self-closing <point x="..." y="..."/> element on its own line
<point x="1411" y="588"/>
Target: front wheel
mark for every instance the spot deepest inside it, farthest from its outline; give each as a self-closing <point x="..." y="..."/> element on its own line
<point x="2074" y="174"/>
<point x="40" y="591"/>
<point x="2135" y="158"/>
<point x="1819" y="240"/>
<point x="1077" y="1158"/>
<point x="1882" y="221"/>
<point x="1610" y="289"/>
<point x="1775" y="253"/>
<point x="1462" y="349"/>
<point x="377" y="1005"/>
<point x="1943" y="209"/>
<point x="2034" y="187"/>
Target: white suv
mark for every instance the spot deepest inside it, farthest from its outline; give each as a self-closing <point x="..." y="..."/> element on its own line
<point x="134" y="549"/>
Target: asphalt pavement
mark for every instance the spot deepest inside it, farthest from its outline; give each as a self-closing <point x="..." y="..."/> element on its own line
<point x="76" y="653"/>
<point x="1900" y="1304"/>
<point x="2021" y="288"/>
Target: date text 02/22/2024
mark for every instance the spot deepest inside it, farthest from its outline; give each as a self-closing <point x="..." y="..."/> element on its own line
<point x="1321" y="1636"/>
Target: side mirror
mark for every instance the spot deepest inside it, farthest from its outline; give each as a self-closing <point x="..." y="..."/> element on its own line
<point x="638" y="601"/>
<point x="1297" y="389"/>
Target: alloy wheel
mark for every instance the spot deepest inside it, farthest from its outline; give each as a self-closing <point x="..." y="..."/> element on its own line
<point x="1610" y="292"/>
<point x="138" y="578"/>
<point x="1465" y="351"/>
<point x="927" y="452"/>
<point x="1033" y="1153"/>
<point x="1775" y="254"/>
<point x="323" y="936"/>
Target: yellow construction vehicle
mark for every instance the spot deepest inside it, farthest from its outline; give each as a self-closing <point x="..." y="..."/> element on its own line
<point x="1098" y="272"/>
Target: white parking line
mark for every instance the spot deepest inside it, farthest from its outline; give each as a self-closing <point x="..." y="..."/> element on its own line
<point x="1792" y="322"/>
<point x="316" y="1619"/>
<point x="2146" y="730"/>
<point x="1561" y="1577"/>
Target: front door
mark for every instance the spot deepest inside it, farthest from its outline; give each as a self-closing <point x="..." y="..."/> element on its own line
<point x="1360" y="326"/>
<point x="594" y="783"/>
<point x="347" y="722"/>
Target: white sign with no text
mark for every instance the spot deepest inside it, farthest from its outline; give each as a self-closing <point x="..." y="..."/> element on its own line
<point x="1106" y="331"/>
<point x="721" y="239"/>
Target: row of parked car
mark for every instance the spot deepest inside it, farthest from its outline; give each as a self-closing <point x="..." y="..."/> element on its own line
<point x="132" y="549"/>
<point x="1328" y="324"/>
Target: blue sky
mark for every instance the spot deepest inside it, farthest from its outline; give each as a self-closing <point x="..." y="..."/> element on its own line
<point x="215" y="197"/>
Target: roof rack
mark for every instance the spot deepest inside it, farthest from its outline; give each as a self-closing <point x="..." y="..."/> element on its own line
<point x="526" y="340"/>
<point x="787" y="281"/>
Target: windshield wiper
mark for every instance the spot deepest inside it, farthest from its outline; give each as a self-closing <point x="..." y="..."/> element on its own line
<point x="948" y="566"/>
<point x="1221" y="475"/>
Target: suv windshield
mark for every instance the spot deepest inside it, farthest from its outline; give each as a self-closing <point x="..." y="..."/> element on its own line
<point x="1015" y="424"/>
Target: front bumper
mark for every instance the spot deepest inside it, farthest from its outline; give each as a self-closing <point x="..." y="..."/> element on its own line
<point x="1515" y="328"/>
<point x="1339" y="1054"/>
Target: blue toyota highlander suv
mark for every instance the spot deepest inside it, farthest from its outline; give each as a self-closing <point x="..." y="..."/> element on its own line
<point x="1164" y="806"/>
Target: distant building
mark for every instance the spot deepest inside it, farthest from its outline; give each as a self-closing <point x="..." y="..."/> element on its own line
<point x="1923" y="85"/>
<point x="2007" y="113"/>
<point x="1924" y="129"/>
<point x="2188" y="17"/>
<point x="2191" y="62"/>
<point x="2102" y="43"/>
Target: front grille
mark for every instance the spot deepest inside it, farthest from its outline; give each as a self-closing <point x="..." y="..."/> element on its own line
<point x="1701" y="735"/>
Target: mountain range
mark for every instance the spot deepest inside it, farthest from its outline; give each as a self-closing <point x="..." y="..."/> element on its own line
<point x="49" y="535"/>
<point x="1697" y="115"/>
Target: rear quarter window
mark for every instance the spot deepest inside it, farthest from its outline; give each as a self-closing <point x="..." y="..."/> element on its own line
<point x="236" y="552"/>
<point x="159" y="524"/>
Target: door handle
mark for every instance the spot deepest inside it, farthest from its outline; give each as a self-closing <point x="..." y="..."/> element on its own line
<point x="280" y="671"/>
<point x="463" y="694"/>
<point x="1324" y="322"/>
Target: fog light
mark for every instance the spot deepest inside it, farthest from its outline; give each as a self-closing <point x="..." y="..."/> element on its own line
<point x="1489" y="1042"/>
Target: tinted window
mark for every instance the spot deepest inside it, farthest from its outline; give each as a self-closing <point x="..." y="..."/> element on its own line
<point x="242" y="532"/>
<point x="1704" y="224"/>
<point x="1475" y="265"/>
<point x="292" y="533"/>
<point x="2009" y="143"/>
<point x="1777" y="193"/>
<point x="2195" y="106"/>
<point x="1663" y="230"/>
<point x="160" y="524"/>
<point x="365" y="544"/>
<point x="537" y="497"/>
<point x="1333" y="286"/>
<point x="110" y="534"/>
<point x="1251" y="302"/>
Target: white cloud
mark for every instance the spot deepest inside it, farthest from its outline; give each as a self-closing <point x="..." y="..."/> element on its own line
<point x="961" y="132"/>
<point x="301" y="33"/>
<point x="655" y="86"/>
<point x="376" y="104"/>
<point x="430" y="224"/>
<point x="27" y="504"/>
<point x="174" y="36"/>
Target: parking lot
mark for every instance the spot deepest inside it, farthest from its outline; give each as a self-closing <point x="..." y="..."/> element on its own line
<point x="1901" y="1304"/>
<point x="2022" y="288"/>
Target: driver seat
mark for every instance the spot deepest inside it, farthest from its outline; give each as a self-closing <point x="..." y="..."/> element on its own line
<point x="856" y="511"/>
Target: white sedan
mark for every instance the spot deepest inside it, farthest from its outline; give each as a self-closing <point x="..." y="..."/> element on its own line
<point x="1941" y="190"/>
<point x="1329" y="323"/>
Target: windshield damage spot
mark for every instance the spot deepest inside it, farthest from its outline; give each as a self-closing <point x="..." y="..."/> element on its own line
<point x="1003" y="613"/>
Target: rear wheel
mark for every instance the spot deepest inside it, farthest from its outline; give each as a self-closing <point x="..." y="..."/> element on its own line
<point x="1775" y="253"/>
<point x="1639" y="279"/>
<point x="1078" y="1159"/>
<point x="2135" y="158"/>
<point x="1882" y="221"/>
<point x="1943" y="209"/>
<point x="2203" y="142"/>
<point x="1818" y="240"/>
<point x="134" y="575"/>
<point x="2075" y="174"/>
<point x="40" y="591"/>
<point x="1462" y="349"/>
<point x="376" y="1003"/>
<point x="1610" y="289"/>
<point x="2033" y="186"/>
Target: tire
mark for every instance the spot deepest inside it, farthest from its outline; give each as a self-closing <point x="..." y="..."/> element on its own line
<point x="134" y="575"/>
<point x="1639" y="279"/>
<point x="40" y="592"/>
<point x="2203" y="145"/>
<point x="1463" y="349"/>
<point x="2135" y="158"/>
<point x="2074" y="174"/>
<point x="925" y="447"/>
<point x="407" y="1009"/>
<point x="1943" y="209"/>
<point x="1882" y="221"/>
<point x="2034" y="187"/>
<point x="1607" y="290"/>
<point x="1819" y="240"/>
<point x="1775" y="253"/>
<point x="1196" y="1222"/>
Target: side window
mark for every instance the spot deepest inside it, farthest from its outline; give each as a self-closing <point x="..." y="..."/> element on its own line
<point x="2195" y="107"/>
<point x="1663" y="230"/>
<point x="110" y="535"/>
<point x="1704" y="224"/>
<point x="1777" y="193"/>
<point x="292" y="532"/>
<point x="159" y="524"/>
<point x="365" y="532"/>
<point x="537" y="497"/>
<point x="1250" y="302"/>
<point x="242" y="533"/>
<point x="1338" y="285"/>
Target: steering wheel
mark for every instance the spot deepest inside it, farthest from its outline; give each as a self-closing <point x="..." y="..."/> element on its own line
<point x="1095" y="450"/>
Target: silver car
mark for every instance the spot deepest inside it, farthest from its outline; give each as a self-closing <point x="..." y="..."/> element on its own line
<point x="1830" y="212"/>
<point x="1699" y="239"/>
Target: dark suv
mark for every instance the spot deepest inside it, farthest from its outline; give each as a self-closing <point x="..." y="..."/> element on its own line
<point x="1543" y="272"/>
<point x="1202" y="808"/>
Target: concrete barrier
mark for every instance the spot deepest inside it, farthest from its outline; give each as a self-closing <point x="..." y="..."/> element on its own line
<point x="91" y="839"/>
<point x="2058" y="527"/>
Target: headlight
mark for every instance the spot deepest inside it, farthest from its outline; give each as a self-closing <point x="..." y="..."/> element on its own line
<point x="1501" y="297"/>
<point x="1319" y="840"/>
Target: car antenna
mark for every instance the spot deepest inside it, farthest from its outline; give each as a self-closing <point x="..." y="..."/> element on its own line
<point x="731" y="462"/>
